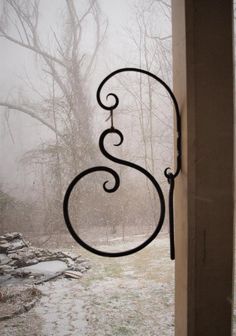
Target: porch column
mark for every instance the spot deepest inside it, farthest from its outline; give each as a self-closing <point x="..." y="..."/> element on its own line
<point x="203" y="85"/>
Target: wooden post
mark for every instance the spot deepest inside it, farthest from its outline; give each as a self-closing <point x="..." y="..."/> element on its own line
<point x="203" y="85"/>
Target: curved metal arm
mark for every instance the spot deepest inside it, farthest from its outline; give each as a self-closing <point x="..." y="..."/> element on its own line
<point x="167" y="172"/>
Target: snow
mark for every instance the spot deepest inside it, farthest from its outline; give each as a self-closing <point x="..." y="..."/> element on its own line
<point x="54" y="266"/>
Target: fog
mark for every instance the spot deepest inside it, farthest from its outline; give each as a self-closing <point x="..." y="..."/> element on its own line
<point x="53" y="57"/>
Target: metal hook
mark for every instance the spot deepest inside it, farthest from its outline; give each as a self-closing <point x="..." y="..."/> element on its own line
<point x="111" y="117"/>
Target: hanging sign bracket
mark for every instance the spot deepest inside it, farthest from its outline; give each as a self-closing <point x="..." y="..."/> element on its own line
<point x="170" y="176"/>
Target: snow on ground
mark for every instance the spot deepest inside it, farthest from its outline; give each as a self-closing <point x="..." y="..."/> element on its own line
<point x="126" y="296"/>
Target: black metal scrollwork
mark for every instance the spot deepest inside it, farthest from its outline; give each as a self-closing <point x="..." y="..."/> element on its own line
<point x="168" y="174"/>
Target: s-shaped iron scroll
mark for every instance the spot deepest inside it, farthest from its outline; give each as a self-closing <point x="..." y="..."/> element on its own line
<point x="167" y="172"/>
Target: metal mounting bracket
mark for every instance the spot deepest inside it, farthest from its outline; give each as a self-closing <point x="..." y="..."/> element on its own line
<point x="167" y="172"/>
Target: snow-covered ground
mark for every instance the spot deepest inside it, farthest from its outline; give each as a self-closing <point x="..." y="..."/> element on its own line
<point x="126" y="296"/>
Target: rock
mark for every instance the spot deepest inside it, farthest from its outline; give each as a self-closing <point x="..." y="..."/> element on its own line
<point x="80" y="260"/>
<point x="4" y="259"/>
<point x="4" y="247"/>
<point x="11" y="236"/>
<point x="21" y="273"/>
<point x="31" y="262"/>
<point x="72" y="255"/>
<point x="4" y="278"/>
<point x="15" y="245"/>
<point x="73" y="274"/>
<point x="5" y="269"/>
<point x="70" y="263"/>
<point x="19" y="259"/>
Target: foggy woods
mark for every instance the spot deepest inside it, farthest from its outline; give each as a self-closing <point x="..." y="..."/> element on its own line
<point x="50" y="120"/>
<point x="117" y="151"/>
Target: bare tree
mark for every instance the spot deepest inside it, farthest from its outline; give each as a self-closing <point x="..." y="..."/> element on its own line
<point x="65" y="66"/>
<point x="152" y="47"/>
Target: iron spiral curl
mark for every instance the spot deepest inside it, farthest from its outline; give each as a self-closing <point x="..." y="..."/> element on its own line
<point x="111" y="190"/>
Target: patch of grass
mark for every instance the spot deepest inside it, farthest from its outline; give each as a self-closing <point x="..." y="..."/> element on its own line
<point x="114" y="297"/>
<point x="122" y="331"/>
<point x="102" y="271"/>
<point x="113" y="270"/>
<point x="153" y="264"/>
<point x="87" y="281"/>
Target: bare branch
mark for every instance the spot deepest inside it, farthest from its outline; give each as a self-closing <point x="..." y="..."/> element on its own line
<point x="155" y="37"/>
<point x="29" y="113"/>
<point x="99" y="40"/>
<point x="19" y="16"/>
<point x="61" y="52"/>
<point x="92" y="3"/>
<point x="165" y="3"/>
<point x="36" y="50"/>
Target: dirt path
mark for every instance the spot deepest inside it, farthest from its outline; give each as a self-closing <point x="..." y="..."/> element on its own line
<point x="125" y="296"/>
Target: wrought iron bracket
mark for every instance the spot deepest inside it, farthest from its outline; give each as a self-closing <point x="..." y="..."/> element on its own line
<point x="170" y="176"/>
